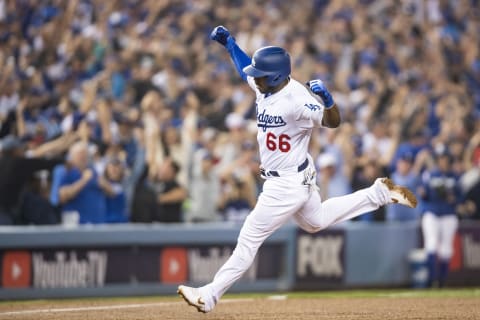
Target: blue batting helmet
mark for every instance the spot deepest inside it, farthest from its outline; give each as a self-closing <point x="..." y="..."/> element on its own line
<point x="270" y="62"/>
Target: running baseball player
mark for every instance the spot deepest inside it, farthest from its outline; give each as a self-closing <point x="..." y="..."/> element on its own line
<point x="286" y="116"/>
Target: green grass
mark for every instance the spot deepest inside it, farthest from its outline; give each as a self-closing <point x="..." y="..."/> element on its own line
<point x="369" y="293"/>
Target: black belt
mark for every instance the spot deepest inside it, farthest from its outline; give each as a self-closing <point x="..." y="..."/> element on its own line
<point x="274" y="173"/>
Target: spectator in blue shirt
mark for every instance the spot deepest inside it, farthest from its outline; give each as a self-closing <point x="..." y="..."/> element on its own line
<point x="81" y="189"/>
<point x="406" y="175"/>
<point x="416" y="142"/>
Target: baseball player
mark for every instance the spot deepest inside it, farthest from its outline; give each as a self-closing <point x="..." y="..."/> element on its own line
<point x="286" y="116"/>
<point x="440" y="192"/>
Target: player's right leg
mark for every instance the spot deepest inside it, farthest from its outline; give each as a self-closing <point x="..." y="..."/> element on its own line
<point x="317" y="215"/>
<point x="280" y="199"/>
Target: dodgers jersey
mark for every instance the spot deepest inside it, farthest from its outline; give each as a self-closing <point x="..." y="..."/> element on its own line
<point x="438" y="187"/>
<point x="285" y="120"/>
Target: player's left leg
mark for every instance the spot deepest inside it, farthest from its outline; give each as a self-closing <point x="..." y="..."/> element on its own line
<point x="448" y="226"/>
<point x="317" y="215"/>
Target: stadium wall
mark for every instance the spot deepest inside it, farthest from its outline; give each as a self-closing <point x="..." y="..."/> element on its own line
<point x="135" y="259"/>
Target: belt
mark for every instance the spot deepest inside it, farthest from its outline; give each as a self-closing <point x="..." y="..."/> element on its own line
<point x="275" y="173"/>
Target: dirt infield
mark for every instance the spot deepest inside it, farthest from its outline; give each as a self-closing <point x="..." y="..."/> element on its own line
<point x="388" y="307"/>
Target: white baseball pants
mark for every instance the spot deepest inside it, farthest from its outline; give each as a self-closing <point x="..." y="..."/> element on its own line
<point x="283" y="198"/>
<point x="439" y="233"/>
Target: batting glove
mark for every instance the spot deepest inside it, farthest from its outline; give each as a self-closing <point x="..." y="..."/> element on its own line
<point x="318" y="87"/>
<point x="221" y="35"/>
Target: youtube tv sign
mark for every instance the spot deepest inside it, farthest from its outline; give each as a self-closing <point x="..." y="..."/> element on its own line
<point x="16" y="269"/>
<point x="77" y="267"/>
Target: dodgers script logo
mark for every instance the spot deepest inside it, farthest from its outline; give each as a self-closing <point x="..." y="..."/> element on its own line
<point x="265" y="120"/>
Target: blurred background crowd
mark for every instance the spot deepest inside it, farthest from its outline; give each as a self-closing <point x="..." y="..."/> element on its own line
<point x="125" y="111"/>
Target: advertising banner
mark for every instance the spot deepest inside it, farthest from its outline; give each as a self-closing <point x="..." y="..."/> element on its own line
<point x="97" y="267"/>
<point x="465" y="263"/>
<point x="320" y="259"/>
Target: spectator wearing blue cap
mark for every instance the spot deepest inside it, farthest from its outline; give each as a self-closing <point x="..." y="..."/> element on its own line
<point x="414" y="144"/>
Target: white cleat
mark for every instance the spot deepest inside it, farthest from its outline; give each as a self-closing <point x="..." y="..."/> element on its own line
<point x="192" y="297"/>
<point x="400" y="194"/>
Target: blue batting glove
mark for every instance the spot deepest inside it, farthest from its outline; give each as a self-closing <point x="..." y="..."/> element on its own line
<point x="221" y="35"/>
<point x="318" y="87"/>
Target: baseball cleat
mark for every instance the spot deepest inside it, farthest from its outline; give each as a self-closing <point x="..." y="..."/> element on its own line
<point x="400" y="194"/>
<point x="192" y="297"/>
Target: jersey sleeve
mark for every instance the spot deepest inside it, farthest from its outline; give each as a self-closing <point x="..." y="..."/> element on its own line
<point x="239" y="58"/>
<point x="309" y="109"/>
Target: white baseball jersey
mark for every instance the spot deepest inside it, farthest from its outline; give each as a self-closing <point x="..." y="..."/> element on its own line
<point x="285" y="121"/>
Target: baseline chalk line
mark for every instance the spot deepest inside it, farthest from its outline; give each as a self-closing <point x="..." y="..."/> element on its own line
<point x="108" y="307"/>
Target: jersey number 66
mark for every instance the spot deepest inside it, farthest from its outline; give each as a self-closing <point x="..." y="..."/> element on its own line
<point x="283" y="144"/>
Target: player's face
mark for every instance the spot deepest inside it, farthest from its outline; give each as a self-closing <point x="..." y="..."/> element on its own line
<point x="261" y="84"/>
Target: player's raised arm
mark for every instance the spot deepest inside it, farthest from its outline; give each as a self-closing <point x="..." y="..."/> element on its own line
<point x="239" y="57"/>
<point x="331" y="114"/>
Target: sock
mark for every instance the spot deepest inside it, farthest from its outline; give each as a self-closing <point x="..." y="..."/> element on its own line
<point x="431" y="265"/>
<point x="443" y="271"/>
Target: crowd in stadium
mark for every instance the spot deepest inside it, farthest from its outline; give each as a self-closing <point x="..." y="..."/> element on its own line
<point x="118" y="111"/>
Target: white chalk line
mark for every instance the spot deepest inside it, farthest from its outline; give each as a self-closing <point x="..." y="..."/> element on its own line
<point x="108" y="307"/>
